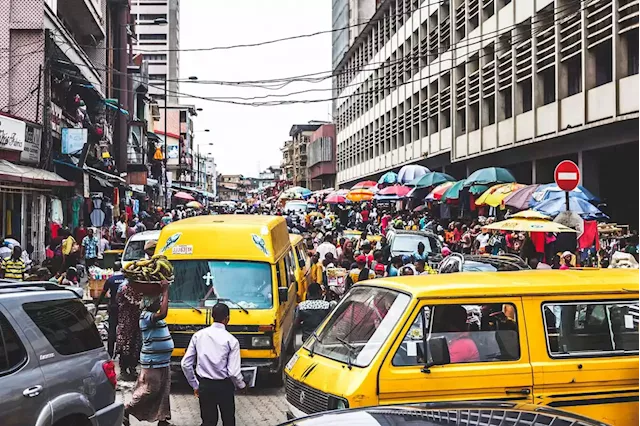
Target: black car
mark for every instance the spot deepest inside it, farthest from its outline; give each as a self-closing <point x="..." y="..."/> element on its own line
<point x="459" y="414"/>
<point x="457" y="262"/>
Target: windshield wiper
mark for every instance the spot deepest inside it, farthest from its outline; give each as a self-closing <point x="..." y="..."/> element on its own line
<point x="189" y="305"/>
<point x="351" y="349"/>
<point x="316" y="339"/>
<point x="235" y="303"/>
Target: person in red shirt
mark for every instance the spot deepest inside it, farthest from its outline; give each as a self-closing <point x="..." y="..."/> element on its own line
<point x="365" y="215"/>
<point x="461" y="347"/>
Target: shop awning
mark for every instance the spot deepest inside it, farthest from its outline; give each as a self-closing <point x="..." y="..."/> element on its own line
<point x="104" y="175"/>
<point x="30" y="175"/>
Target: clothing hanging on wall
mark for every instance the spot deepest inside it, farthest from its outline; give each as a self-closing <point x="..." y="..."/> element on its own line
<point x="57" y="215"/>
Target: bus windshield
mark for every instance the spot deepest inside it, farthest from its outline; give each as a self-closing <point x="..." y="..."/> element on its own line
<point x="202" y="282"/>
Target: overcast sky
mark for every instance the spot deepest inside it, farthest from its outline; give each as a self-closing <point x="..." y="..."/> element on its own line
<point x="248" y="139"/>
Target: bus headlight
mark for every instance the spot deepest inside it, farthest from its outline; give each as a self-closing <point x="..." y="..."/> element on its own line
<point x="261" y="341"/>
<point x="336" y="403"/>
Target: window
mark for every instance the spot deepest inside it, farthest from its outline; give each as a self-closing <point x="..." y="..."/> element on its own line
<point x="152" y="16"/>
<point x="359" y="325"/>
<point x="289" y="263"/>
<point x="583" y="329"/>
<point x="633" y="59"/>
<point x="574" y="75"/>
<point x="527" y="95"/>
<point x="157" y="77"/>
<point x="202" y="282"/>
<point x="152" y="36"/>
<point x="549" y="86"/>
<point x="302" y="257"/>
<point x="507" y="102"/>
<point x="66" y="324"/>
<point x="604" y="63"/>
<point x="12" y="353"/>
<point x="475" y="333"/>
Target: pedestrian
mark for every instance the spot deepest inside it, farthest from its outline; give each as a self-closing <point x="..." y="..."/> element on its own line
<point x="112" y="286"/>
<point x="14" y="267"/>
<point x="150" y="399"/>
<point x="128" y="339"/>
<point x="90" y="245"/>
<point x="103" y="244"/>
<point x="327" y="247"/>
<point x="393" y="269"/>
<point x="310" y="313"/>
<point x="316" y="269"/>
<point x="216" y="355"/>
<point x="70" y="251"/>
<point x="420" y="254"/>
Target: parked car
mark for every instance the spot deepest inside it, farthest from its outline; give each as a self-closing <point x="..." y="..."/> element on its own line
<point x="405" y="243"/>
<point x="54" y="369"/>
<point x="457" y="262"/>
<point x="462" y="414"/>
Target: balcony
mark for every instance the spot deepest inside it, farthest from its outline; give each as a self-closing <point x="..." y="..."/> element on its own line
<point x="85" y="18"/>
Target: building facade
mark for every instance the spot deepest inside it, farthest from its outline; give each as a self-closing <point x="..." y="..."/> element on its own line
<point x="157" y="38"/>
<point x="465" y="84"/>
<point x="321" y="160"/>
<point x="300" y="137"/>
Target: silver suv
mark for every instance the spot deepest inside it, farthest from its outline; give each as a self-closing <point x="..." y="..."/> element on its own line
<point x="54" y="369"/>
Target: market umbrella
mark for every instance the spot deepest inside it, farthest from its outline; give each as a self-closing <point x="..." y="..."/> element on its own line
<point x="431" y="179"/>
<point x="583" y="208"/>
<point x="527" y="225"/>
<point x="299" y="190"/>
<point x="437" y="192"/>
<point x="488" y="176"/>
<point x="420" y="208"/>
<point x="194" y="205"/>
<point x="183" y="196"/>
<point x="388" y="178"/>
<point x="520" y="198"/>
<point x="359" y="195"/>
<point x="493" y="196"/>
<point x="530" y="214"/>
<point x="335" y="198"/>
<point x="411" y="172"/>
<point x="398" y="191"/>
<point x="367" y="184"/>
<point x="552" y="191"/>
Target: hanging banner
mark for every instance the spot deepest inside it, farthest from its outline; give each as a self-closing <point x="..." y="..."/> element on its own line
<point x="73" y="140"/>
<point x="32" y="143"/>
<point x="12" y="134"/>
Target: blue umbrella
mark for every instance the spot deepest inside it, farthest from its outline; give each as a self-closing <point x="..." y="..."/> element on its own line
<point x="411" y="172"/>
<point x="489" y="176"/>
<point x="585" y="209"/>
<point x="551" y="191"/>
<point x="388" y="178"/>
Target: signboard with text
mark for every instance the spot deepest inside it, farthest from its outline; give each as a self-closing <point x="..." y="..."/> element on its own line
<point x="73" y="140"/>
<point x="12" y="133"/>
<point x="32" y="144"/>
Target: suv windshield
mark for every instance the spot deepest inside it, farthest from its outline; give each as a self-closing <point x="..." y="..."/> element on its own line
<point x="201" y="282"/>
<point x="359" y="325"/>
<point x="408" y="243"/>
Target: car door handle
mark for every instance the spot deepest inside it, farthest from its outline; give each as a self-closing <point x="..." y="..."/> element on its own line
<point x="33" y="391"/>
<point x="523" y="391"/>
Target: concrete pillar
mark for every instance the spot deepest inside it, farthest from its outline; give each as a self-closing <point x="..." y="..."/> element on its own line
<point x="534" y="174"/>
<point x="589" y="166"/>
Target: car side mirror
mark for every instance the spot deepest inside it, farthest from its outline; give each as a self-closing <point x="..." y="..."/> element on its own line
<point x="283" y="294"/>
<point x="437" y="353"/>
<point x="302" y="264"/>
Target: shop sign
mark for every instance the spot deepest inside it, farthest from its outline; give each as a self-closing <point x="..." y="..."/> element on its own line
<point x="56" y="119"/>
<point x="172" y="153"/>
<point x="32" y="144"/>
<point x="12" y="134"/>
<point x="73" y="140"/>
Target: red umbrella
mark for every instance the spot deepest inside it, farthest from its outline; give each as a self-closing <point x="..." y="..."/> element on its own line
<point x="396" y="190"/>
<point x="365" y="184"/>
<point x="183" y="196"/>
<point x="335" y="198"/>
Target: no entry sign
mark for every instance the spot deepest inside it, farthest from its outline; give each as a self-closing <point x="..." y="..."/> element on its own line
<point x="567" y="175"/>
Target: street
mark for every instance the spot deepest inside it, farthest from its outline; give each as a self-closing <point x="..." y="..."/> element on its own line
<point x="263" y="406"/>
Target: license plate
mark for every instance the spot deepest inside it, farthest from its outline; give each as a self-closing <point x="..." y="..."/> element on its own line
<point x="249" y="376"/>
<point x="291" y="362"/>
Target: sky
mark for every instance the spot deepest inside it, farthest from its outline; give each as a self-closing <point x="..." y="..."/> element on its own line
<point x="247" y="139"/>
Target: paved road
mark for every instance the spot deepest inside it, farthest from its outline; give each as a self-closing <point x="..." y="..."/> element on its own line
<point x="262" y="406"/>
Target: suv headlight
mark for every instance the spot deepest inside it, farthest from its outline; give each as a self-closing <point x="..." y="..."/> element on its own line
<point x="261" y="341"/>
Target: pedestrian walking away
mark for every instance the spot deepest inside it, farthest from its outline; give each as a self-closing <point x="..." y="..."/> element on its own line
<point x="112" y="286"/>
<point x="216" y="354"/>
<point x="150" y="400"/>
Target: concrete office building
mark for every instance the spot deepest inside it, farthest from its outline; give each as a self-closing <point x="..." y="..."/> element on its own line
<point x="159" y="43"/>
<point x="463" y="84"/>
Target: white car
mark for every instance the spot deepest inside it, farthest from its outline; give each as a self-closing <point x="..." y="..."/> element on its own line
<point x="134" y="249"/>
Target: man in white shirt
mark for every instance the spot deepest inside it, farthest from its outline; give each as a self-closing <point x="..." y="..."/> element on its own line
<point x="482" y="239"/>
<point x="327" y="247"/>
<point x="216" y="354"/>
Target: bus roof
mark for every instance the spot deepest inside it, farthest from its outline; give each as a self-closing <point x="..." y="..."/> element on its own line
<point x="516" y="283"/>
<point x="295" y="239"/>
<point x="257" y="238"/>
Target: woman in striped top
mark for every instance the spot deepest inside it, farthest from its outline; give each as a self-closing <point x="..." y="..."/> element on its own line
<point x="150" y="401"/>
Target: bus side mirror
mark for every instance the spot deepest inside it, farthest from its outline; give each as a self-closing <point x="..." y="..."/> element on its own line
<point x="302" y="264"/>
<point x="437" y="353"/>
<point x="283" y="294"/>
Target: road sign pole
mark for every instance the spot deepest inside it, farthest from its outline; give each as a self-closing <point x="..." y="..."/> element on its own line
<point x="566" y="199"/>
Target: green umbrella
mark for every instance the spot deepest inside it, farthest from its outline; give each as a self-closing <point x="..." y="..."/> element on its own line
<point x="453" y="193"/>
<point x="431" y="179"/>
<point x="489" y="176"/>
<point x="478" y="189"/>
